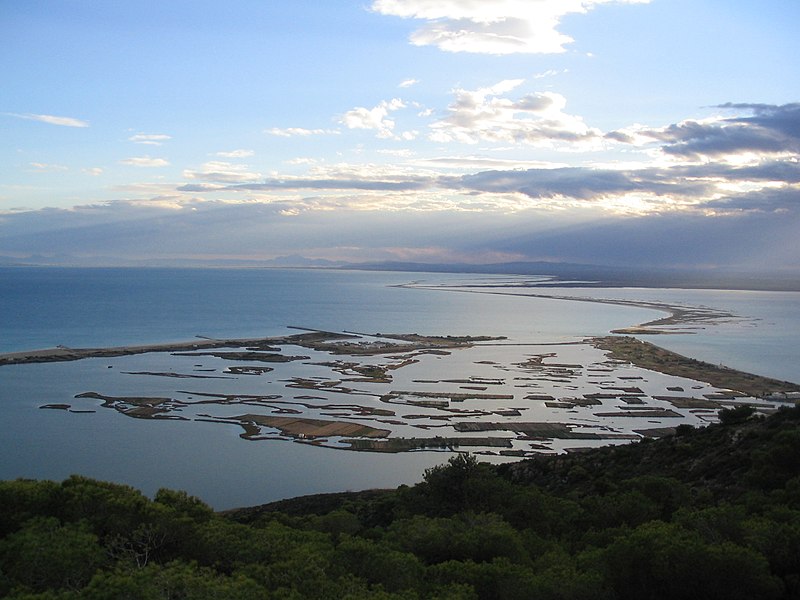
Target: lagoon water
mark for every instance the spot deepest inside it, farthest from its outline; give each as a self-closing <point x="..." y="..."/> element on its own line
<point x="46" y="307"/>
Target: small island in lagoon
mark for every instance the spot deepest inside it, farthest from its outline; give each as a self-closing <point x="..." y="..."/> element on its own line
<point x="409" y="392"/>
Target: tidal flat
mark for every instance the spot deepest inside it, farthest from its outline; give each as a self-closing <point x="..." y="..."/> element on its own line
<point x="391" y="393"/>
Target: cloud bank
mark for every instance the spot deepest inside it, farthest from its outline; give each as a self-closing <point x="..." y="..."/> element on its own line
<point x="770" y="129"/>
<point x="491" y="26"/>
<point x="701" y="190"/>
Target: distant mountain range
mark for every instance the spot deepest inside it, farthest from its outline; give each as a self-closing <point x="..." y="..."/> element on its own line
<point x="563" y="274"/>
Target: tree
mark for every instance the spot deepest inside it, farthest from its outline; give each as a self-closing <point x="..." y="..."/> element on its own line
<point x="46" y="555"/>
<point x="664" y="561"/>
<point x="735" y="415"/>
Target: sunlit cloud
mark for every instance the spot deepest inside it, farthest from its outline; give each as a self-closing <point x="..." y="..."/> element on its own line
<point x="150" y="139"/>
<point x="47" y="167"/>
<point x="451" y="183"/>
<point x="470" y="163"/>
<point x="93" y="171"/>
<point x="407" y="83"/>
<point x="240" y="153"/>
<point x="549" y="73"/>
<point x="144" y="161"/>
<point x="399" y="153"/>
<point x="299" y="131"/>
<point x="486" y="114"/>
<point x="221" y="172"/>
<point x="144" y="189"/>
<point x="376" y="118"/>
<point x="492" y="26"/>
<point x="52" y="119"/>
<point x="301" y="160"/>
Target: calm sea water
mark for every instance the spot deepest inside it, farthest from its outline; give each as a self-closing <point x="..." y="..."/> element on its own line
<point x="762" y="339"/>
<point x="42" y="307"/>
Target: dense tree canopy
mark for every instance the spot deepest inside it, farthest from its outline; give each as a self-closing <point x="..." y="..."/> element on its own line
<point x="711" y="513"/>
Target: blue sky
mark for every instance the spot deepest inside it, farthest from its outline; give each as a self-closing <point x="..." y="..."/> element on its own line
<point x="660" y="132"/>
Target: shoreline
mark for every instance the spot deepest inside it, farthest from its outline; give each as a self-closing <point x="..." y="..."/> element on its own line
<point x="619" y="347"/>
<point x="654" y="358"/>
<point x="63" y="353"/>
<point x="336" y="343"/>
<point x="576" y="400"/>
<point x="676" y="315"/>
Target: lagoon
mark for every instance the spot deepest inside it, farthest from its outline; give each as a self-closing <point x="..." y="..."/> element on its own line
<point x="106" y="307"/>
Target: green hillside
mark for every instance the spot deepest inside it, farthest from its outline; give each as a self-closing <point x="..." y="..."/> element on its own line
<point x="704" y="514"/>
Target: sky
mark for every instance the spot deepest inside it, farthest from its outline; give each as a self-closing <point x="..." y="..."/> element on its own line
<point x="648" y="133"/>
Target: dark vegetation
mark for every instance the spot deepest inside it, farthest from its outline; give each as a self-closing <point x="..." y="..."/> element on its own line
<point x="711" y="513"/>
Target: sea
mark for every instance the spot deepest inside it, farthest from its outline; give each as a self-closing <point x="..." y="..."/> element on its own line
<point x="43" y="307"/>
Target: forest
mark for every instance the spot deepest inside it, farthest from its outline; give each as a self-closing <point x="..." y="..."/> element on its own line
<point x="706" y="513"/>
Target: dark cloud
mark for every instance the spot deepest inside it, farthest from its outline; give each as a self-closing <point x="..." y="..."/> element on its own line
<point x="769" y="129"/>
<point x="582" y="183"/>
<point x="766" y="200"/>
<point x="748" y="231"/>
<point x="784" y="119"/>
<point x="620" y="136"/>
<point x="783" y="171"/>
<point x="695" y="183"/>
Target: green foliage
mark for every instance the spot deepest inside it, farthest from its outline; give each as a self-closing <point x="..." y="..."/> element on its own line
<point x="660" y="560"/>
<point x="44" y="554"/>
<point x="22" y="499"/>
<point x="184" y="504"/>
<point x="711" y="513"/>
<point x="174" y="580"/>
<point x="337" y="522"/>
<point x="379" y="564"/>
<point x="478" y="537"/>
<point x="735" y="415"/>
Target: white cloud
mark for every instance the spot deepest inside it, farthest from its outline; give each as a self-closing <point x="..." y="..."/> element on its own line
<point x="222" y="172"/>
<point x="485" y="115"/>
<point x="299" y="131"/>
<point x="94" y="171"/>
<point x="470" y="163"/>
<point x="407" y="83"/>
<point x="549" y="73"/>
<point x="376" y="118"/>
<point x="151" y="139"/>
<point x="52" y="120"/>
<point x="236" y="154"/>
<point x="301" y="161"/>
<point x="490" y="26"/>
<point x="402" y="153"/>
<point x="144" y="161"/>
<point x="47" y="167"/>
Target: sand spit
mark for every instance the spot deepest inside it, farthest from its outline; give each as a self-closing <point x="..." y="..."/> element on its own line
<point x="261" y="349"/>
<point x="679" y="319"/>
<point x="649" y="356"/>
